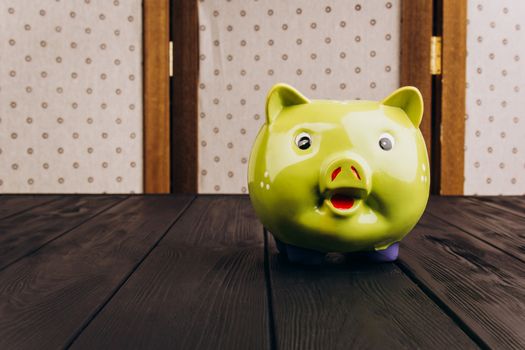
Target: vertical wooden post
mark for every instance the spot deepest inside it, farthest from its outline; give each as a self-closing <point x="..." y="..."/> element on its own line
<point x="453" y="82"/>
<point x="185" y="36"/>
<point x="156" y="96"/>
<point x="416" y="31"/>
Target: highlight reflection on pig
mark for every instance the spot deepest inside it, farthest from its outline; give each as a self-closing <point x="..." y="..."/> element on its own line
<point x="330" y="176"/>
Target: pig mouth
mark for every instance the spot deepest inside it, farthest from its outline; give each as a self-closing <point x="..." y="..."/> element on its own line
<point x="344" y="201"/>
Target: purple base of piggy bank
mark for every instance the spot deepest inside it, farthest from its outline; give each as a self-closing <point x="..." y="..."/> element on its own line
<point x="387" y="255"/>
<point x="313" y="257"/>
<point x="300" y="255"/>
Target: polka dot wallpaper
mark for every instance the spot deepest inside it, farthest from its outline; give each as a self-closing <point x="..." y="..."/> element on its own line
<point x="70" y="96"/>
<point x="495" y="119"/>
<point x="327" y="49"/>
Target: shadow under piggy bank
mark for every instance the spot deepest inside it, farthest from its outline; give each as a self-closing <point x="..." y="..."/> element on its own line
<point x="305" y="256"/>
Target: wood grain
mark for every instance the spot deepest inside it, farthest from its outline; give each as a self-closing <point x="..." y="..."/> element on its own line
<point x="492" y="225"/>
<point x="184" y="98"/>
<point x="14" y="204"/>
<point x="354" y="306"/>
<point x="453" y="82"/>
<point x="156" y="96"/>
<point x="28" y="231"/>
<point x="513" y="204"/>
<point x="139" y="275"/>
<point x="203" y="287"/>
<point x="481" y="285"/>
<point x="49" y="296"/>
<point x="416" y="30"/>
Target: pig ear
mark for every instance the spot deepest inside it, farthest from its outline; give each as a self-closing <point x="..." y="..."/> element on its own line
<point x="280" y="96"/>
<point x="409" y="99"/>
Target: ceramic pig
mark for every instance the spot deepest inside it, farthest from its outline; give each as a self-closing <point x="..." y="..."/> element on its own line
<point x="339" y="176"/>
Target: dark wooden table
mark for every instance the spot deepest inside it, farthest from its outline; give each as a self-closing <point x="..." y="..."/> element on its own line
<point x="187" y="272"/>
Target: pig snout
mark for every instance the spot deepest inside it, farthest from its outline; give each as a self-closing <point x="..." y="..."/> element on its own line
<point x="346" y="171"/>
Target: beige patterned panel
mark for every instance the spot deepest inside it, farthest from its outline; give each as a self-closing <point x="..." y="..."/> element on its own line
<point x="327" y="49"/>
<point x="70" y="96"/>
<point x="495" y="125"/>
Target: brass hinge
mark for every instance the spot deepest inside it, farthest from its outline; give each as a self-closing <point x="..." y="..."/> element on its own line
<point x="171" y="59"/>
<point x="435" y="55"/>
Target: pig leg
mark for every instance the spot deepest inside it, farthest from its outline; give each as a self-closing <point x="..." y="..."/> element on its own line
<point x="387" y="255"/>
<point x="300" y="255"/>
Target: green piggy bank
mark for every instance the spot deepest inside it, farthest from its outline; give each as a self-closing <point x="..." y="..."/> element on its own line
<point x="339" y="176"/>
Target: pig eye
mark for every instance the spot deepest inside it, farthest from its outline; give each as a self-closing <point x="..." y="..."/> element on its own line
<point x="386" y="142"/>
<point x="303" y="141"/>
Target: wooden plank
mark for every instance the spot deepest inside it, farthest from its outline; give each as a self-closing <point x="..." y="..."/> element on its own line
<point x="416" y="30"/>
<point x="203" y="287"/>
<point x="354" y="306"/>
<point x="185" y="36"/>
<point x="156" y="96"/>
<point x="48" y="297"/>
<point x="513" y="204"/>
<point x="483" y="287"/>
<point x="490" y="224"/>
<point x="14" y="204"/>
<point x="453" y="82"/>
<point x="26" y="232"/>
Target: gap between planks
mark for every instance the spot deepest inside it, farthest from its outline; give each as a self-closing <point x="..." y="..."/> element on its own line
<point x="268" y="282"/>
<point x="202" y="287"/>
<point x="126" y="278"/>
<point x="496" y="202"/>
<point x="442" y="305"/>
<point x="475" y="236"/>
<point x="45" y="243"/>
<point x="479" y="283"/>
<point x="313" y="307"/>
<point x="23" y="210"/>
<point x="102" y="252"/>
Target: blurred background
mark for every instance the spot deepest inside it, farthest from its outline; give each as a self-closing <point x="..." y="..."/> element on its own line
<point x="157" y="96"/>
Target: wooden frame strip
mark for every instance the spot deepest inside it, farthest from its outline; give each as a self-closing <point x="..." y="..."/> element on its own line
<point x="185" y="36"/>
<point x="416" y="31"/>
<point x="156" y="96"/>
<point x="453" y="82"/>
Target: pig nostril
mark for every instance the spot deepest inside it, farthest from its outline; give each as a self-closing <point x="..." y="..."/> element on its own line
<point x="356" y="173"/>
<point x="335" y="173"/>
